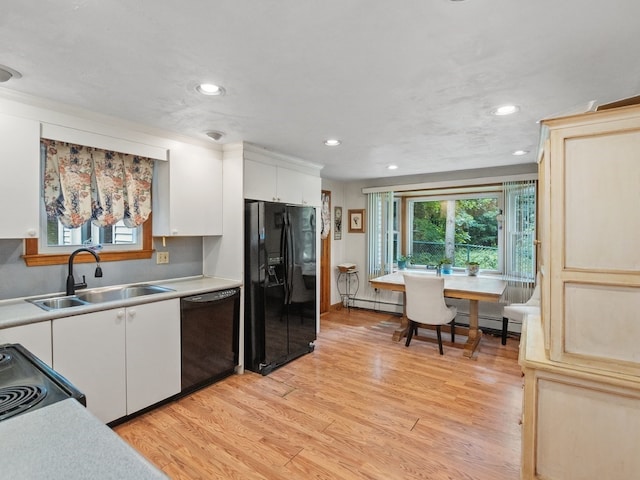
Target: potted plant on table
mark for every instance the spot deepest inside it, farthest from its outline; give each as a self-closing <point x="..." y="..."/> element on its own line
<point x="403" y="261"/>
<point x="473" y="268"/>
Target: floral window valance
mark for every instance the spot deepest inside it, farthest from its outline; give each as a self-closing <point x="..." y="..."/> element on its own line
<point x="84" y="183"/>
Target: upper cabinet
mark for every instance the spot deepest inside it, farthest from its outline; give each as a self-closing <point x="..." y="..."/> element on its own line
<point x="271" y="178"/>
<point x="591" y="185"/>
<point x="187" y="199"/>
<point x="20" y="179"/>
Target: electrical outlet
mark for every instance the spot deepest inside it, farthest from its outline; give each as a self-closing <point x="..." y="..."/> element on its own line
<point x="162" y="257"/>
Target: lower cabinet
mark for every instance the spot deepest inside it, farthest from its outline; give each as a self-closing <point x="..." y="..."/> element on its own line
<point x="577" y="422"/>
<point x="35" y="337"/>
<point x="123" y="359"/>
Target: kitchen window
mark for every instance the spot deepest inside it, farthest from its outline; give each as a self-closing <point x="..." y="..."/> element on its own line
<point x="92" y="197"/>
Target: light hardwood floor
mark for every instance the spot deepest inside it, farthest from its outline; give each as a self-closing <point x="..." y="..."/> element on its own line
<point x="361" y="406"/>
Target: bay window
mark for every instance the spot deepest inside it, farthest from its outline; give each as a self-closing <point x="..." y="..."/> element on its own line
<point x="492" y="225"/>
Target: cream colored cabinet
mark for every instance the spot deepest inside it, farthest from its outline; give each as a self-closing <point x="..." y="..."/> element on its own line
<point x="123" y="359"/>
<point x="593" y="230"/>
<point x="577" y="423"/>
<point x="20" y="179"/>
<point x="273" y="183"/>
<point x="581" y="359"/>
<point x="187" y="197"/>
<point x="35" y="337"/>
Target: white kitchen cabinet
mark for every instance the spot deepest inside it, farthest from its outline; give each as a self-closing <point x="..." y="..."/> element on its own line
<point x="260" y="181"/>
<point x="153" y="353"/>
<point x="20" y="179"/>
<point x="123" y="359"/>
<point x="35" y="337"/>
<point x="273" y="183"/>
<point x="89" y="350"/>
<point x="187" y="196"/>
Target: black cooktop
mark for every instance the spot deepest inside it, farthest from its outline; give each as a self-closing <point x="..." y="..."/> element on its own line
<point x="27" y="383"/>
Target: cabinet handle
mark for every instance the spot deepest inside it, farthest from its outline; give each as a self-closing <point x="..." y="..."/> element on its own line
<point x="31" y="233"/>
<point x="174" y="232"/>
<point x="120" y="314"/>
<point x="132" y="313"/>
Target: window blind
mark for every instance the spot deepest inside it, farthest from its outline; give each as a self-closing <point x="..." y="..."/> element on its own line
<point x="520" y="228"/>
<point x="379" y="233"/>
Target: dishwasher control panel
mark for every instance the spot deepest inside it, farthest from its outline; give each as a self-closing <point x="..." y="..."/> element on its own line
<point x="213" y="296"/>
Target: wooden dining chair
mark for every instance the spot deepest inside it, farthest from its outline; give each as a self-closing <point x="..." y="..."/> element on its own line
<point x="425" y="305"/>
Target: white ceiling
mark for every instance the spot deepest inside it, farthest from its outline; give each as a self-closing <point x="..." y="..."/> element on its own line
<point x="410" y="82"/>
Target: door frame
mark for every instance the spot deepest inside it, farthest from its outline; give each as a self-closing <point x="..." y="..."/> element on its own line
<point x="325" y="265"/>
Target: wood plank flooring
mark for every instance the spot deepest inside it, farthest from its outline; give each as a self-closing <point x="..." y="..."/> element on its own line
<point x="361" y="406"/>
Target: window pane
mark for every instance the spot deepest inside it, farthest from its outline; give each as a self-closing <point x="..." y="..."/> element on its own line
<point x="462" y="230"/>
<point x="118" y="234"/>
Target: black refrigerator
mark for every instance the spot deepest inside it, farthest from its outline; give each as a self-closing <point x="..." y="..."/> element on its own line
<point x="280" y="284"/>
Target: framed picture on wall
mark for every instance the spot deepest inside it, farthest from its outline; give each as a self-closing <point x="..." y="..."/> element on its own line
<point x="337" y="220"/>
<point x="356" y="221"/>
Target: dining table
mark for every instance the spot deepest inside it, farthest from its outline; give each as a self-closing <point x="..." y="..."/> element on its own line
<point x="475" y="289"/>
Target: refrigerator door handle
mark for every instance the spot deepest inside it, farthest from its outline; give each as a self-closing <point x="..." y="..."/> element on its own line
<point x="290" y="256"/>
<point x="284" y="253"/>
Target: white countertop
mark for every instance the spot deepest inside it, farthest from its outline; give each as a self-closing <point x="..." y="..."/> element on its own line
<point x="64" y="441"/>
<point x="18" y="311"/>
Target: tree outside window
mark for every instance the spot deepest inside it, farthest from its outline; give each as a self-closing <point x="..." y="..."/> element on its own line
<point x="460" y="229"/>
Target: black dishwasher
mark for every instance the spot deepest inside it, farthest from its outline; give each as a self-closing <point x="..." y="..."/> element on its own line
<point x="209" y="325"/>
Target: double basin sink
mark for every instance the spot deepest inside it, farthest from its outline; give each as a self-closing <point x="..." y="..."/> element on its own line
<point x="97" y="296"/>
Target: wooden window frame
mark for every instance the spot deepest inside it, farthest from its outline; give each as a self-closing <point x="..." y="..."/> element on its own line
<point x="34" y="259"/>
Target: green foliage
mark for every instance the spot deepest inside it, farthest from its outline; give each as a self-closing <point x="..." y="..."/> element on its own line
<point x="475" y="236"/>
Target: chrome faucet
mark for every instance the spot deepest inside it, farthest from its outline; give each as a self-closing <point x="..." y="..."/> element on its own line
<point x="71" y="283"/>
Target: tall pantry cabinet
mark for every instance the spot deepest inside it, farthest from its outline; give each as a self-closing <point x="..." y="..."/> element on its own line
<point x="581" y="359"/>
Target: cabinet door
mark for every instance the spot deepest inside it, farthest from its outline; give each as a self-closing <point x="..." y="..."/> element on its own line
<point x="594" y="274"/>
<point x="35" y="337"/>
<point x="298" y="188"/>
<point x="290" y="186"/>
<point x="260" y="181"/>
<point x="188" y="197"/>
<point x="20" y="179"/>
<point x="153" y="353"/>
<point x="311" y="191"/>
<point x="89" y="350"/>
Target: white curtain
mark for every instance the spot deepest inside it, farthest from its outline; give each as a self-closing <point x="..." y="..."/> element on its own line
<point x="379" y="233"/>
<point x="519" y="223"/>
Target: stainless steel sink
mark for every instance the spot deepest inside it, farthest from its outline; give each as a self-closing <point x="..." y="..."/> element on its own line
<point x="58" y="302"/>
<point x="120" y="293"/>
<point x="102" y="295"/>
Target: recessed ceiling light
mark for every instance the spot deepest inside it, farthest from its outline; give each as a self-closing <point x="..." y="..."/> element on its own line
<point x="210" y="89"/>
<point x="7" y="73"/>
<point x="215" y="135"/>
<point x="519" y="153"/>
<point x="332" y="142"/>
<point x="392" y="167"/>
<point x="506" y="110"/>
